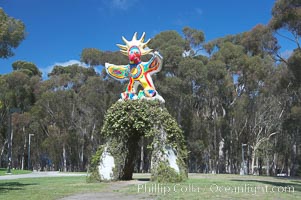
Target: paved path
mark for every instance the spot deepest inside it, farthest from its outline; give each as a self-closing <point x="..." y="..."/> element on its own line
<point x="112" y="193"/>
<point x="39" y="175"/>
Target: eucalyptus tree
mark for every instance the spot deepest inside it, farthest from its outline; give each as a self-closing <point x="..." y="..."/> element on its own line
<point x="195" y="90"/>
<point x="294" y="67"/>
<point x="69" y="114"/>
<point x="291" y="126"/>
<point x="171" y="45"/>
<point x="286" y="15"/>
<point x="248" y="59"/>
<point x="17" y="93"/>
<point x="193" y="40"/>
<point x="91" y="56"/>
<point x="261" y="41"/>
<point x="12" y="33"/>
<point x="58" y="111"/>
<point x="28" y="68"/>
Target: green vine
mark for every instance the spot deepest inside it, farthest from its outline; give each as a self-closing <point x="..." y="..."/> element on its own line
<point x="127" y="121"/>
<point x="93" y="168"/>
<point x="166" y="174"/>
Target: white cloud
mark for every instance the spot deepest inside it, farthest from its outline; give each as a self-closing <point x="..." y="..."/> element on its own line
<point x="180" y="22"/>
<point x="199" y="11"/>
<point x="184" y="18"/>
<point x="48" y="69"/>
<point x="119" y="4"/>
<point x="287" y="53"/>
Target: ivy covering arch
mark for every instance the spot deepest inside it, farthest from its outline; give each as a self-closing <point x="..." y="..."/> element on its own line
<point x="126" y="122"/>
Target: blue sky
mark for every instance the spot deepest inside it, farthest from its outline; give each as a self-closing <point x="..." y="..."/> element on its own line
<point x="58" y="30"/>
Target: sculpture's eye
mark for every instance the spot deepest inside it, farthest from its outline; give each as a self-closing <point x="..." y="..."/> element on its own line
<point x="134" y="50"/>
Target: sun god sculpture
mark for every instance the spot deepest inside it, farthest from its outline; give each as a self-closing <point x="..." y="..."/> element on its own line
<point x="137" y="72"/>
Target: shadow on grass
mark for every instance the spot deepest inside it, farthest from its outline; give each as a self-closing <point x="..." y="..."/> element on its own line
<point x="297" y="187"/>
<point x="9" y="186"/>
<point x="142" y="179"/>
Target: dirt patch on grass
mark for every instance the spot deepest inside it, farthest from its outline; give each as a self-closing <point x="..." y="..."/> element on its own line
<point x="112" y="192"/>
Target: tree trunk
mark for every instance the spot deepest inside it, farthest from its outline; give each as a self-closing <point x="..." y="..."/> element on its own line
<point x="11" y="148"/>
<point x="81" y="158"/>
<point x="64" y="158"/>
<point x="258" y="171"/>
<point x="24" y="150"/>
<point x="221" y="157"/>
<point x="294" y="155"/>
<point x="253" y="160"/>
<point x="196" y="165"/>
<point x="210" y="162"/>
<point x="23" y="154"/>
<point x="215" y="149"/>
<point x="267" y="165"/>
<point x="274" y="166"/>
<point x="248" y="160"/>
<point x="293" y="159"/>
<point x="142" y="156"/>
<point x="179" y="116"/>
<point x="2" y="151"/>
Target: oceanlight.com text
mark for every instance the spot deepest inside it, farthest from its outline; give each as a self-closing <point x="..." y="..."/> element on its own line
<point x="158" y="188"/>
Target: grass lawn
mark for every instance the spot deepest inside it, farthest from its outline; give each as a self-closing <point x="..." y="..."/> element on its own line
<point x="198" y="186"/>
<point x="13" y="171"/>
<point x="46" y="188"/>
<point x="208" y="186"/>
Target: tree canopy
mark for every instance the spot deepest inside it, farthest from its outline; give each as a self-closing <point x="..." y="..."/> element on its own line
<point x="12" y="33"/>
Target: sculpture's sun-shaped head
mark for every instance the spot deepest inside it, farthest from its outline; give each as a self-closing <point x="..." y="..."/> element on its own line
<point x="134" y="49"/>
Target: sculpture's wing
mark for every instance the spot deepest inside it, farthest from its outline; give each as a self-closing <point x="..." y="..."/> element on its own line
<point x="119" y="72"/>
<point x="155" y="64"/>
